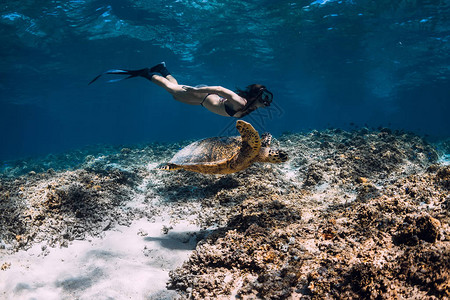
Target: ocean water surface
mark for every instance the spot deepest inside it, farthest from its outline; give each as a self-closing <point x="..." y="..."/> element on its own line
<point x="344" y="64"/>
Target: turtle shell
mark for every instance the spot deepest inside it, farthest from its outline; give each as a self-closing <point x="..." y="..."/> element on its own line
<point x="208" y="150"/>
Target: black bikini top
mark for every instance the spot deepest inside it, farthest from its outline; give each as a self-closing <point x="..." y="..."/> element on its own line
<point x="230" y="111"/>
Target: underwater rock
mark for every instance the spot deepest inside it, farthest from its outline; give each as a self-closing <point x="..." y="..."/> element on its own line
<point x="313" y="176"/>
<point x="443" y="176"/>
<point x="415" y="228"/>
<point x="66" y="206"/>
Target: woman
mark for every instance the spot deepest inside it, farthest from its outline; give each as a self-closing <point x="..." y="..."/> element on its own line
<point x="216" y="99"/>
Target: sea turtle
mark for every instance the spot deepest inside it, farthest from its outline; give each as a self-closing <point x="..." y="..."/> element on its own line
<point x="225" y="155"/>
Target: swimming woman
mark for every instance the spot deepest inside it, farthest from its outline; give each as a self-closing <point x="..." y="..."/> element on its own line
<point x="216" y="99"/>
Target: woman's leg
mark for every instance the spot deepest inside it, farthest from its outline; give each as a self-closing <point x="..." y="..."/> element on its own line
<point x="168" y="83"/>
<point x="177" y="91"/>
<point x="171" y="79"/>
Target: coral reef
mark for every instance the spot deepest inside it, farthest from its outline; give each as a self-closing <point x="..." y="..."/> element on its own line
<point x="362" y="214"/>
<point x="358" y="215"/>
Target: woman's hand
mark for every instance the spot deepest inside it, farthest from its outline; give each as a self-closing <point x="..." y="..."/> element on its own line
<point x="188" y="88"/>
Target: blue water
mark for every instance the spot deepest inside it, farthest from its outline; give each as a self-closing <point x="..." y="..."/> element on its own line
<point x="329" y="64"/>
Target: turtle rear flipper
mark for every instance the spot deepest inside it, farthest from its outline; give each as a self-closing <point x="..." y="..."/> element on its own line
<point x="221" y="167"/>
<point x="169" y="167"/>
<point x="206" y="168"/>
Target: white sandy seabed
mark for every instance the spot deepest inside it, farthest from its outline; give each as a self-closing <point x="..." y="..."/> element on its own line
<point x="127" y="263"/>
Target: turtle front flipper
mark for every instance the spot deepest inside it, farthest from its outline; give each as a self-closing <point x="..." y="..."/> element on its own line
<point x="249" y="136"/>
<point x="273" y="156"/>
<point x="250" y="147"/>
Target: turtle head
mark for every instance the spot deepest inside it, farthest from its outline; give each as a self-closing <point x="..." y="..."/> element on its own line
<point x="272" y="156"/>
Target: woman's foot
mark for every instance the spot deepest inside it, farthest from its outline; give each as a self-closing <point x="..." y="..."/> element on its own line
<point x="160" y="68"/>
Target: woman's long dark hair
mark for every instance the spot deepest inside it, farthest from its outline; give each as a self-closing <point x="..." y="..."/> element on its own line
<point x="250" y="94"/>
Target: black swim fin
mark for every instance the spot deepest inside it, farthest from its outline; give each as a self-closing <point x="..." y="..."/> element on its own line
<point x="131" y="73"/>
<point x="161" y="69"/>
